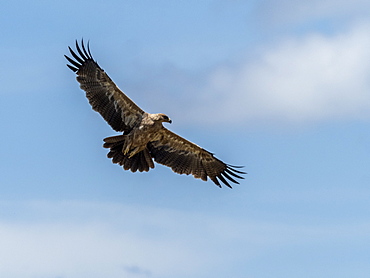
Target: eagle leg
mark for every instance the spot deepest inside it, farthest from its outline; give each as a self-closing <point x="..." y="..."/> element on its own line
<point x="133" y="151"/>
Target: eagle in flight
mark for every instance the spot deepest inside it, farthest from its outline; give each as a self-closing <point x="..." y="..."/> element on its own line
<point x="144" y="137"/>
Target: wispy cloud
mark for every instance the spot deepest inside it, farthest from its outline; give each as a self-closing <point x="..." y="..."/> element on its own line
<point x="289" y="11"/>
<point x="80" y="239"/>
<point x="305" y="79"/>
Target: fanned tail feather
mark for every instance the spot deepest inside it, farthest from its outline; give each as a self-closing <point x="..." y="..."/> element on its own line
<point x="141" y="161"/>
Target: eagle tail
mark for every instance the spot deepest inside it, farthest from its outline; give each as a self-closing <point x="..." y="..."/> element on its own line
<point x="142" y="161"/>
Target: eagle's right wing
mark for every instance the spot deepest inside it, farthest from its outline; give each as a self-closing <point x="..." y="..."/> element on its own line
<point x="185" y="157"/>
<point x="120" y="112"/>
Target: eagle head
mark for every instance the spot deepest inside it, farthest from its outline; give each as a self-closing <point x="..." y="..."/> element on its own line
<point x="160" y="117"/>
<point x="165" y="118"/>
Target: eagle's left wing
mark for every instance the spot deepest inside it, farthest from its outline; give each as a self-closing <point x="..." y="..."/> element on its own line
<point x="120" y="112"/>
<point x="185" y="157"/>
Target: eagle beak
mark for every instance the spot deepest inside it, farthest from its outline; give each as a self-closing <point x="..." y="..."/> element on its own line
<point x="170" y="121"/>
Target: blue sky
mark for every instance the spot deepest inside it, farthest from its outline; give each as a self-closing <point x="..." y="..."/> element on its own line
<point x="282" y="87"/>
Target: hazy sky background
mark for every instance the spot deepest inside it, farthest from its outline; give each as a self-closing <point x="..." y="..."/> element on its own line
<point x="282" y="87"/>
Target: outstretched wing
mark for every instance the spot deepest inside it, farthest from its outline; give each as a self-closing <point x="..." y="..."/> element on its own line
<point x="185" y="157"/>
<point x="120" y="112"/>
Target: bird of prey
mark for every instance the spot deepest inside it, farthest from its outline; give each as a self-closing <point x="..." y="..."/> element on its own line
<point x="144" y="137"/>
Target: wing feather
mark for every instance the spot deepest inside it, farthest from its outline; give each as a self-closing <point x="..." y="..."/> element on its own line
<point x="185" y="157"/>
<point x="120" y="112"/>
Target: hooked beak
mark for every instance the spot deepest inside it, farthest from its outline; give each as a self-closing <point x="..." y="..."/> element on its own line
<point x="170" y="121"/>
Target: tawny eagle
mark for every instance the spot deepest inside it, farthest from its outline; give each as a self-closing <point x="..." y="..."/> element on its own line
<point x="144" y="138"/>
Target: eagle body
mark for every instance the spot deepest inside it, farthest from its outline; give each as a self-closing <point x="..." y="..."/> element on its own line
<point x="146" y="131"/>
<point x="143" y="138"/>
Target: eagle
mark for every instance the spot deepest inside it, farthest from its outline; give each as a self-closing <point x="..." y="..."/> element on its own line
<point x="144" y="137"/>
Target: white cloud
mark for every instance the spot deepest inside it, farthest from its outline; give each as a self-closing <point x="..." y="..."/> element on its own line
<point x="306" y="79"/>
<point x="107" y="240"/>
<point x="80" y="239"/>
<point x="288" y="11"/>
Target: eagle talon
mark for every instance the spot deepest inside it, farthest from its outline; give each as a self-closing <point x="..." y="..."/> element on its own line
<point x="131" y="154"/>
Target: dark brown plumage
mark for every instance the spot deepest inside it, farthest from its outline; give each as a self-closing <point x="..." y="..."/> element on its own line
<point x="144" y="138"/>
